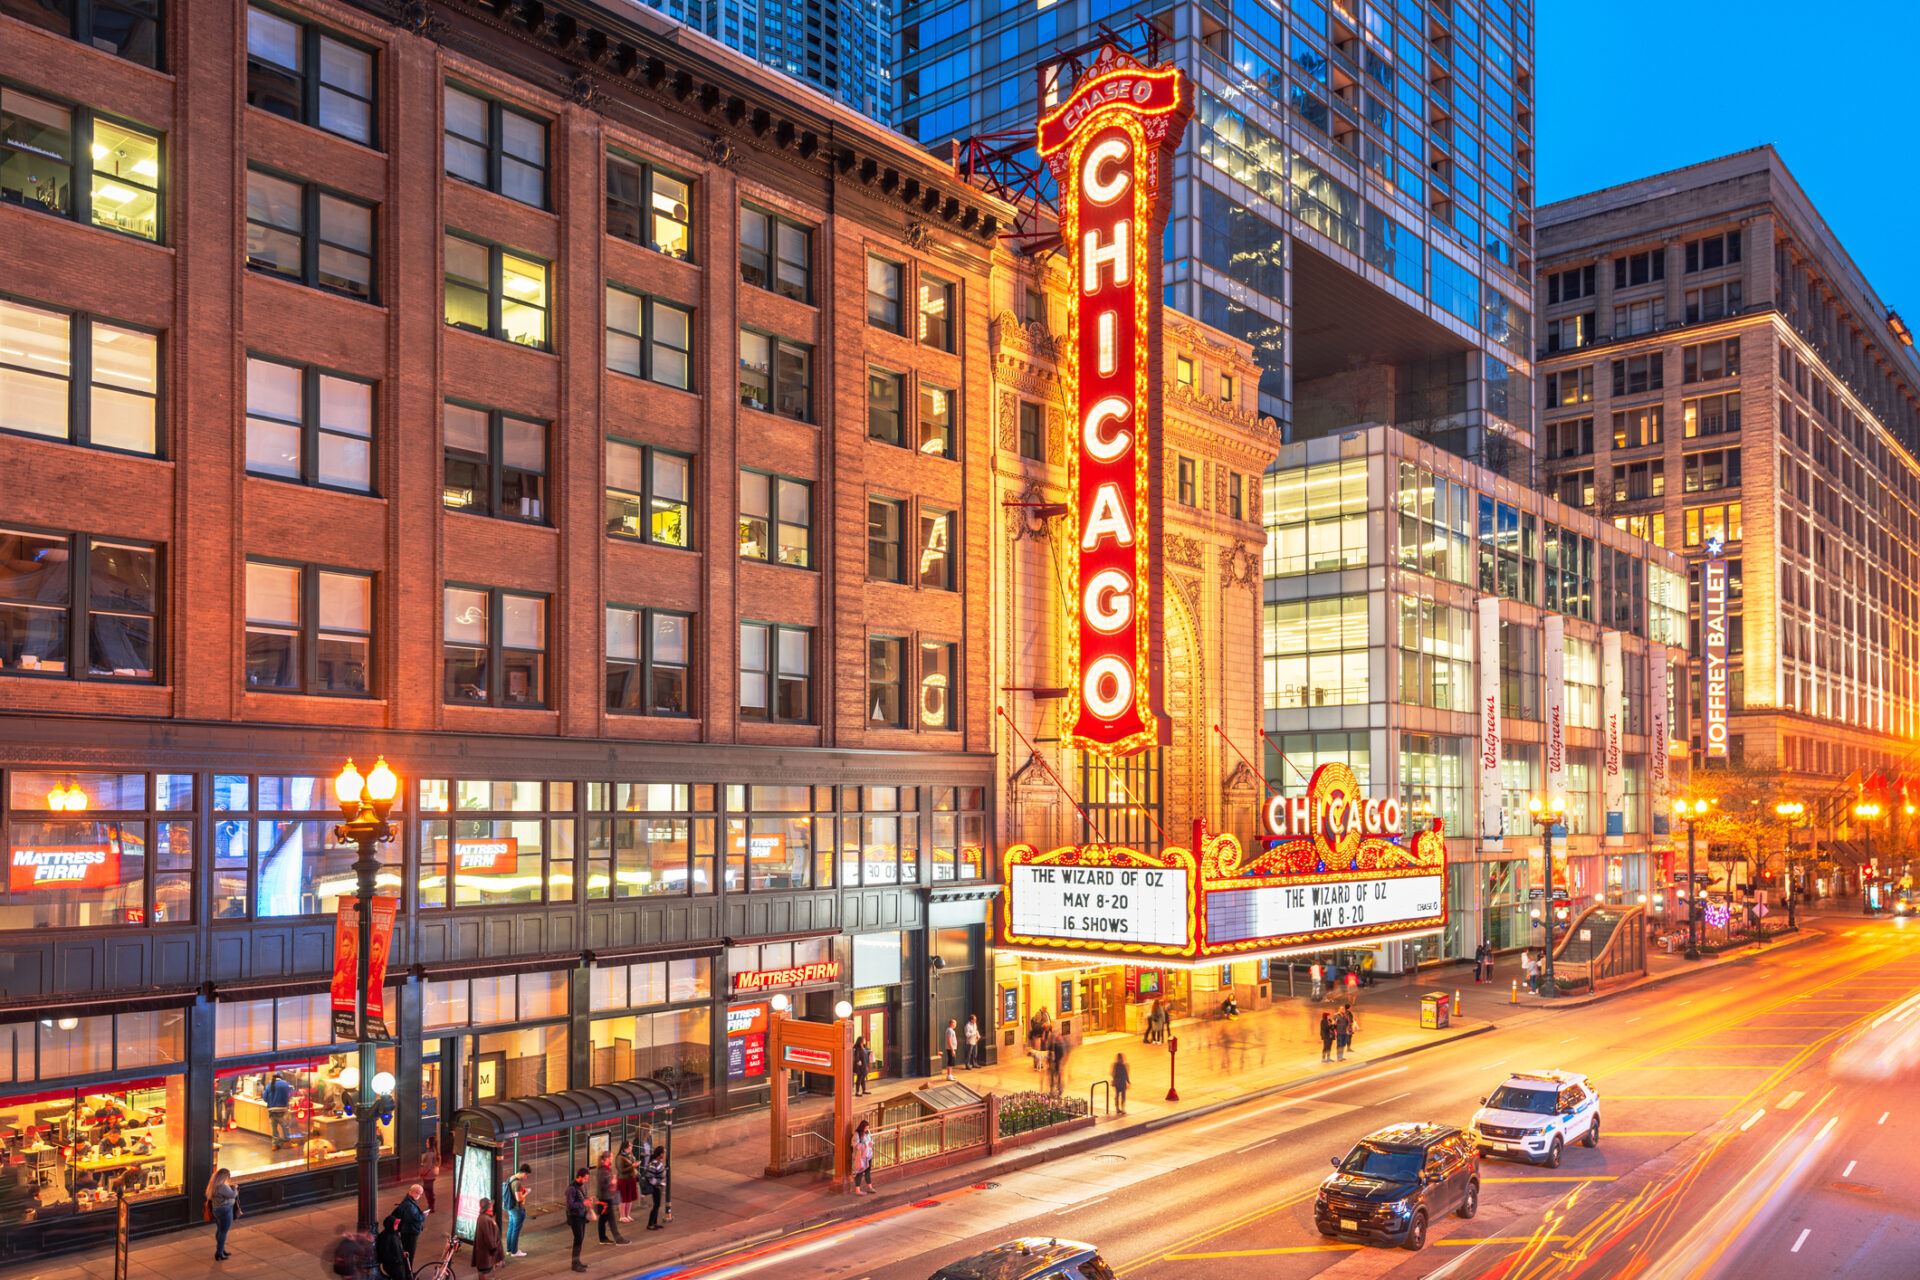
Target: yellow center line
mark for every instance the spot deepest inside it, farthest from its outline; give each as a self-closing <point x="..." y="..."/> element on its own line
<point x="1487" y="1182"/>
<point x="1650" y="1133"/>
<point x="1762" y="1044"/>
<point x="1676" y="1097"/>
<point x="1353" y="1248"/>
<point x="1712" y="1066"/>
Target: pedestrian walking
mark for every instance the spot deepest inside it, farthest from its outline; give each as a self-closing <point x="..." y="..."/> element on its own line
<point x="388" y="1253"/>
<point x="487" y="1251"/>
<point x="1056" y="1064"/>
<point x="606" y="1190"/>
<point x="1164" y="1017"/>
<point x="519" y="1187"/>
<point x="1326" y="1036"/>
<point x="353" y="1255"/>
<point x="279" y="1098"/>
<point x="410" y="1217"/>
<point x="863" y="1159"/>
<point x="653" y="1183"/>
<point x="1122" y="1076"/>
<point x="953" y="1045"/>
<point x="579" y="1214"/>
<point x="1366" y="969"/>
<point x="862" y="1063"/>
<point x="1529" y="967"/>
<point x="972" y="1037"/>
<point x="430" y="1169"/>
<point x="626" y="1179"/>
<point x="1342" y="1032"/>
<point x="223" y="1206"/>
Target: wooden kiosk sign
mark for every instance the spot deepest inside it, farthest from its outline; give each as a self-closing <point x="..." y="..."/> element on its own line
<point x="822" y="1048"/>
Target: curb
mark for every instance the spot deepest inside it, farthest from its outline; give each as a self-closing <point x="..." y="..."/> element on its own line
<point x="1746" y="956"/>
<point x="1032" y="1157"/>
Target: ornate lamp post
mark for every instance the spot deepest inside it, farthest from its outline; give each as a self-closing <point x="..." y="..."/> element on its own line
<point x="1548" y="814"/>
<point x="364" y="804"/>
<point x="1869" y="812"/>
<point x="1790" y="811"/>
<point x="1690" y="812"/>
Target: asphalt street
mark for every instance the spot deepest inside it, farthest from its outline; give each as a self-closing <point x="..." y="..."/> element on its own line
<point x="1733" y="1145"/>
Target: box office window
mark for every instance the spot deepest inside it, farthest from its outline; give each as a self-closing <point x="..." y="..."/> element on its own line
<point x="130" y="29"/>
<point x="72" y="163"/>
<point x="496" y="147"/>
<point x="959" y="833"/>
<point x="87" y="850"/>
<point x="776" y="519"/>
<point x="646" y="206"/>
<point x="74" y="1150"/>
<point x="76" y="606"/>
<point x="79" y="379"/>
<point x="650" y="839"/>
<point x="274" y="849"/>
<point x="309" y="426"/>
<point x="880" y="835"/>
<point x="649" y="494"/>
<point x="310" y="235"/>
<point x="649" y="338"/>
<point x="674" y="1046"/>
<point x="495" y="649"/>
<point x="785" y="841"/>
<point x="309" y="75"/>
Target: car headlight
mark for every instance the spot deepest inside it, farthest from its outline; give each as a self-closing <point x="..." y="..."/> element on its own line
<point x="1402" y="1209"/>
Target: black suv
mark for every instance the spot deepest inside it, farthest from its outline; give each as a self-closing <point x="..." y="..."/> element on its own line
<point x="1394" y="1181"/>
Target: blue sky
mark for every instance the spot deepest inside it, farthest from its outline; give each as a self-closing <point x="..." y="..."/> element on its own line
<point x="1633" y="87"/>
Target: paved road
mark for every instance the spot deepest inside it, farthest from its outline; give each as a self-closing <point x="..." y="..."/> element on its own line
<point x="1732" y="1147"/>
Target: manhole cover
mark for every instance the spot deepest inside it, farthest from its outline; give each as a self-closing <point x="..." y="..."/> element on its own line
<point x="1113" y="1158"/>
<point x="1854" y="1188"/>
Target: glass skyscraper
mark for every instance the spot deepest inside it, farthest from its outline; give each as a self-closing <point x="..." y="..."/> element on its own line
<point x="1355" y="195"/>
<point x="841" y="47"/>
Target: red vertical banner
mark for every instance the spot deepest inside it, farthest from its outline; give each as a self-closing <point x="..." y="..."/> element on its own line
<point x="346" y="966"/>
<point x="1108" y="145"/>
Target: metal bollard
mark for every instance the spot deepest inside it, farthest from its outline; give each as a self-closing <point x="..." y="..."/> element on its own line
<point x="1514" y="996"/>
<point x="1456" y="1002"/>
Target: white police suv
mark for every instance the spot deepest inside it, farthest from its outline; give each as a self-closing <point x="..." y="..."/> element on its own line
<point x="1535" y="1114"/>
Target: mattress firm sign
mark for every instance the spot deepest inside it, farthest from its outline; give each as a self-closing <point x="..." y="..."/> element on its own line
<point x="1142" y="906"/>
<point x="1281" y="912"/>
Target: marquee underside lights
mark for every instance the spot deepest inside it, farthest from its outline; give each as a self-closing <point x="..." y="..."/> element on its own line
<point x="1107" y="146"/>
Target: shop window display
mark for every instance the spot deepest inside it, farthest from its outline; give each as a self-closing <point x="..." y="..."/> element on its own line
<point x="491" y="858"/>
<point x="665" y="847"/>
<point x="290" y="1115"/>
<point x="90" y="850"/>
<point x="275" y="854"/>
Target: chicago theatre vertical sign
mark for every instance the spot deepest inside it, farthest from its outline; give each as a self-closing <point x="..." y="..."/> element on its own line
<point x="1109" y="145"/>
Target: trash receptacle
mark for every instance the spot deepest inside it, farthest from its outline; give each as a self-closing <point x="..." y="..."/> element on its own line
<point x="1435" y="1010"/>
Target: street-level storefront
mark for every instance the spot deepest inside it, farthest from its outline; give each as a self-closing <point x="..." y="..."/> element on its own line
<point x="1082" y="998"/>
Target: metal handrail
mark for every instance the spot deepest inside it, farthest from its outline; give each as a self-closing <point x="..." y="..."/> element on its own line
<point x="1100" y="1084"/>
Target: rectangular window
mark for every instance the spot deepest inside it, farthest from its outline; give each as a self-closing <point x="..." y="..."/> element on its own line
<point x="1713" y="251"/>
<point x="496" y="291"/>
<point x="496" y="147"/>
<point x="776" y="254"/>
<point x="309" y="629"/>
<point x="886" y="394"/>
<point x="1713" y="469"/>
<point x="649" y="662"/>
<point x="75" y="164"/>
<point x="776" y="375"/>
<point x="1033" y="432"/>
<point x="74" y="606"/>
<point x="886" y="678"/>
<point x="939" y="692"/>
<point x="884" y="519"/>
<point x="1639" y="268"/>
<point x="496" y="464"/>
<point x="1636" y="427"/>
<point x="495" y="647"/>
<point x="1570" y="285"/>
<point x="1569" y="386"/>
<point x="1710" y="415"/>
<point x="666" y="849"/>
<point x="1708" y="361"/>
<point x="1316" y="519"/>
<point x="648" y="207"/>
<point x="1189" y="482"/>
<point x="1706" y="523"/>
<point x="939" y="408"/>
<point x="776" y="519"/>
<point x="39" y="352"/>
<point x="1633" y="318"/>
<point x="1713" y="302"/>
<point x="1572" y="438"/>
<point x="935" y="567"/>
<point x="309" y="235"/>
<point x="130" y="29"/>
<point x="309" y="426"/>
<point x="1236" y="500"/>
<point x="776" y="665"/>
<point x="1641" y="373"/>
<point x="1315" y="652"/>
<point x="1184" y="372"/>
<point x="1570" y="333"/>
<point x="881" y="845"/>
<point x="649" y="338"/>
<point x="883" y="294"/>
<point x="309" y="75"/>
<point x="649" y="494"/>
<point x="938" y="323"/>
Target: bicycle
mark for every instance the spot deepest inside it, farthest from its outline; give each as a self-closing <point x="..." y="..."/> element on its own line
<point x="443" y="1269"/>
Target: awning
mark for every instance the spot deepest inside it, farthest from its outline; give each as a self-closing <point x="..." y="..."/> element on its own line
<point x="522" y="1117"/>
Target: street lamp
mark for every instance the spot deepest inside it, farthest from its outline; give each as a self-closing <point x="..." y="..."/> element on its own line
<point x="1868" y="811"/>
<point x="1790" y="811"/>
<point x="365" y="803"/>
<point x="1548" y="814"/>
<point x="1690" y="812"/>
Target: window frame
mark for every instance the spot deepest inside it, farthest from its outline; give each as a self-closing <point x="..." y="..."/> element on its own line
<point x="645" y="496"/>
<point x="496" y="648"/>
<point x="775" y="481"/>
<point x="922" y="283"/>
<point x="899" y="325"/>
<point x="648" y="337"/>
<point x="876" y="644"/>
<point x="312" y="240"/>
<point x="309" y="630"/>
<point x="80" y="381"/>
<point x="771" y="269"/>
<point x="922" y="389"/>
<point x="899" y="381"/>
<point x="80" y="28"/>
<point x="81" y="120"/>
<point x="496" y="464"/>
<point x="644" y="666"/>
<point x="775" y="344"/>
<point x="79" y="608"/>
<point x="1030" y="409"/>
<point x="900" y="508"/>
<point x="311" y="430"/>
<point x="644" y="171"/>
<point x="773" y="674"/>
<point x="496" y="291"/>
<point x="496" y="143"/>
<point x="312" y="36"/>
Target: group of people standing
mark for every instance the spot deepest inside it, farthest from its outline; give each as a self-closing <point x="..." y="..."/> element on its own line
<point x="1336" y="1032"/>
<point x="958" y="1042"/>
<point x="618" y="1180"/>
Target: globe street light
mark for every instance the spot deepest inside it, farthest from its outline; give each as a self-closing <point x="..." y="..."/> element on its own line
<point x="1548" y="814"/>
<point x="1790" y="811"/>
<point x="365" y="803"/>
<point x="1868" y="811"/>
<point x="1690" y="812"/>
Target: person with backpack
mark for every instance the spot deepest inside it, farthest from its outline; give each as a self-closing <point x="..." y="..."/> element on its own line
<point x="579" y="1214"/>
<point x="653" y="1185"/>
<point x="388" y="1253"/>
<point x="519" y="1187"/>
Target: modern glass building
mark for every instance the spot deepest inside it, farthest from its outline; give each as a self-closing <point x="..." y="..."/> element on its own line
<point x="842" y="47"/>
<point x="1355" y="196"/>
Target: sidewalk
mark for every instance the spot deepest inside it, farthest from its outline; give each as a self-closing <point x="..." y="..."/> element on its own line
<point x="1661" y="967"/>
<point x="721" y="1199"/>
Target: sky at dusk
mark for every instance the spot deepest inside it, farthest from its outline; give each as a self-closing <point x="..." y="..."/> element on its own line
<point x="1634" y="87"/>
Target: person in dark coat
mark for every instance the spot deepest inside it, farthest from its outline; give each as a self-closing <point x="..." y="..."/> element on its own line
<point x="579" y="1213"/>
<point x="653" y="1185"/>
<point x="862" y="1063"/>
<point x="606" y="1195"/>
<point x="1343" y="1031"/>
<point x="388" y="1252"/>
<point x="1122" y="1076"/>
<point x="411" y="1215"/>
<point x="487" y="1250"/>
<point x="1326" y="1036"/>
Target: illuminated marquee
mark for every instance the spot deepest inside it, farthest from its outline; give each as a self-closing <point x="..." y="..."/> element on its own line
<point x="1107" y="145"/>
<point x="1099" y="898"/>
<point x="1713" y="613"/>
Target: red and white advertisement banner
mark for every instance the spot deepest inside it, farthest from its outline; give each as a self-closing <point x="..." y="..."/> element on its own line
<point x="346" y="964"/>
<point x="799" y="975"/>
<point x="63" y="866"/>
<point x="1613" y="728"/>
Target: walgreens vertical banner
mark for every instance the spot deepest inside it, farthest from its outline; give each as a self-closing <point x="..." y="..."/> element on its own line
<point x="1555" y="710"/>
<point x="1613" y="729"/>
<point x="1108" y="145"/>
<point x="1487" y="663"/>
<point x="1716" y="693"/>
<point x="346" y="966"/>
<point x="1659" y="730"/>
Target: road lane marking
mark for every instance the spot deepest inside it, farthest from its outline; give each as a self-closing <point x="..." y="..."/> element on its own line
<point x="1556" y="1178"/>
<point x="1075" y="1208"/>
<point x="1395" y="1098"/>
<point x="1683" y="1004"/>
<point x="1848" y="1171"/>
<point x="1786" y="1103"/>
<point x="1826" y="1128"/>
<point x="1263" y="1142"/>
<point x="1883" y="1117"/>
<point x="1350" y="1248"/>
<point x="1754" y="1119"/>
<point x="1635" y="1019"/>
<point x="1650" y="1133"/>
<point x="1677" y="1097"/>
<point x="1804" y="1233"/>
<point x="1709" y="1066"/>
<point x="1373" y="1079"/>
<point x="1505" y="1240"/>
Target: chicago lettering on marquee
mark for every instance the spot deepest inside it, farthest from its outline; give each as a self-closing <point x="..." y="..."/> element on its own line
<point x="1107" y="146"/>
<point x="1713" y="618"/>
